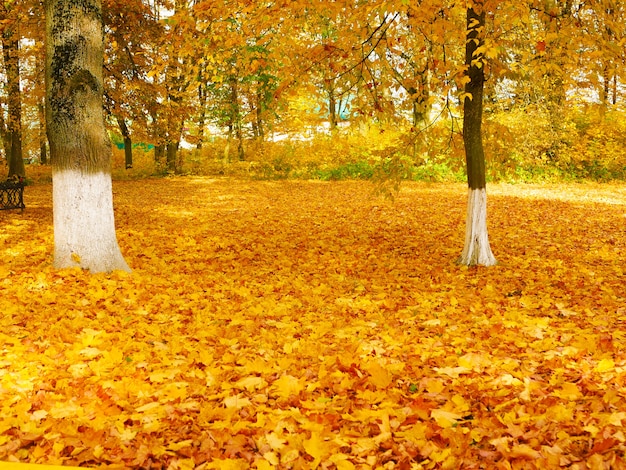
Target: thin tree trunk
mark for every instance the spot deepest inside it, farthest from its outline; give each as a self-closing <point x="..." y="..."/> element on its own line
<point x="159" y="146"/>
<point x="43" y="139"/>
<point x="241" y="154"/>
<point x="229" y="140"/>
<point x="159" y="154"/>
<point x="10" y="47"/>
<point x="128" y="142"/>
<point x="172" y="154"/>
<point x="172" y="146"/>
<point x="202" y="97"/>
<point x="476" y="250"/>
<point x="6" y="137"/>
<point x="332" y="109"/>
<point x="84" y="226"/>
<point x="260" y="108"/>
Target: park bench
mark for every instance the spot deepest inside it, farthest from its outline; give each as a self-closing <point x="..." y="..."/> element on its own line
<point x="12" y="194"/>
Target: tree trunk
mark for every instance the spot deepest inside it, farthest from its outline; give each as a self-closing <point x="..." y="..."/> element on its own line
<point x="159" y="153"/>
<point x="84" y="227"/>
<point x="172" y="153"/>
<point x="241" y="154"/>
<point x="202" y="98"/>
<point x="259" y="115"/>
<point x="10" y="47"/>
<point x="332" y="108"/>
<point x="128" y="142"/>
<point x="6" y="137"/>
<point x="235" y="124"/>
<point x="476" y="250"/>
<point x="43" y="139"/>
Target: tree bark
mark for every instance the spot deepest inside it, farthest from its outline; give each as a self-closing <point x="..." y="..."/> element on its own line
<point x="476" y="250"/>
<point x="332" y="108"/>
<point x="84" y="227"/>
<point x="43" y="139"/>
<point x="6" y="137"/>
<point x="202" y="99"/>
<point x="159" y="154"/>
<point x="128" y="142"/>
<point x="10" y="48"/>
<point x="235" y="118"/>
<point x="172" y="154"/>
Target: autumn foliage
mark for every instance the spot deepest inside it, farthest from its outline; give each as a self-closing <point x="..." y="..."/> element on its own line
<point x="314" y="325"/>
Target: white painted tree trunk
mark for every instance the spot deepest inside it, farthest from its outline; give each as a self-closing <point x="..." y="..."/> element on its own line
<point x="477" y="250"/>
<point x="80" y="150"/>
<point x="84" y="229"/>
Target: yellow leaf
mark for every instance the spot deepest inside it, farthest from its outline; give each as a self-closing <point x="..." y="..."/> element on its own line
<point x="39" y="414"/>
<point x="251" y="383"/>
<point x="236" y="401"/>
<point x="79" y="370"/>
<point x="90" y="353"/>
<point x="126" y="435"/>
<point x="475" y="361"/>
<point x="617" y="417"/>
<point x="445" y="418"/>
<point x="460" y="404"/>
<point x="227" y="464"/>
<point x="275" y="441"/>
<point x="453" y="372"/>
<point x="66" y="410"/>
<point x="416" y="434"/>
<point x="559" y="413"/>
<point x="596" y="462"/>
<point x="569" y="391"/>
<point x="287" y="386"/>
<point x="341" y="462"/>
<point x="605" y="365"/>
<point x="316" y="448"/>
<point x="179" y="445"/>
<point x="148" y="407"/>
<point x="263" y="464"/>
<point x="379" y="376"/>
<point x="593" y="430"/>
<point x="164" y="375"/>
<point x="271" y="459"/>
<point x="524" y="451"/>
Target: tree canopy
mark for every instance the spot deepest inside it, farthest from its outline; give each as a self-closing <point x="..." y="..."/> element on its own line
<point x="192" y="71"/>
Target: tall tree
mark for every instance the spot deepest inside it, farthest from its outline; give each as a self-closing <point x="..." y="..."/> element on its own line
<point x="84" y="227"/>
<point x="476" y="250"/>
<point x="10" y="48"/>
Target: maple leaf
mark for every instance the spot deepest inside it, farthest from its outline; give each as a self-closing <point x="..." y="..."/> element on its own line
<point x="316" y="448"/>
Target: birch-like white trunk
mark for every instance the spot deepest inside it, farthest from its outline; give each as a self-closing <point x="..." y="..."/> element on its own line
<point x="477" y="250"/>
<point x="84" y="229"/>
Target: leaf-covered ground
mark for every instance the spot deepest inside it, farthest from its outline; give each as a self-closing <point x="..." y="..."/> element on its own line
<point x="313" y="325"/>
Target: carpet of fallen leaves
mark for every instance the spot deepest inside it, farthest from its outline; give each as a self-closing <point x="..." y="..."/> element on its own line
<point x="314" y="325"/>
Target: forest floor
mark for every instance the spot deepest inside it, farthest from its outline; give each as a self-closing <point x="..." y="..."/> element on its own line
<point x="297" y="324"/>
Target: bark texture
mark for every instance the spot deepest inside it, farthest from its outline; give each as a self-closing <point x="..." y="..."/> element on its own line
<point x="84" y="228"/>
<point x="476" y="249"/>
<point x="473" y="106"/>
<point x="128" y="141"/>
<point x="10" y="48"/>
